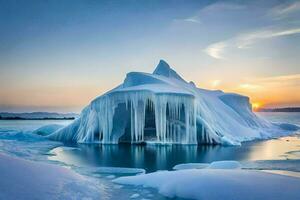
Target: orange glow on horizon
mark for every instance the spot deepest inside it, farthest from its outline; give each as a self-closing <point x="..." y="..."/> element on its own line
<point x="256" y="106"/>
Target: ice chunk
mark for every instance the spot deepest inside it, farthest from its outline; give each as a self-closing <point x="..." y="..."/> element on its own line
<point x="135" y="195"/>
<point x="191" y="166"/>
<point x="203" y="184"/>
<point x="118" y="170"/>
<point x="47" y="129"/>
<point x="287" y="126"/>
<point x="226" y="164"/>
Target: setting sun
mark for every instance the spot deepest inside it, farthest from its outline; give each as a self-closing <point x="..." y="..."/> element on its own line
<point x="256" y="106"/>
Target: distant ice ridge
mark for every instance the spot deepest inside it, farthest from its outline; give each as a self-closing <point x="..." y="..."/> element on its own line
<point x="163" y="108"/>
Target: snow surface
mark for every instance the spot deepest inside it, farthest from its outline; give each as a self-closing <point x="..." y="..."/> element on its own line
<point x="184" y="114"/>
<point x="218" y="184"/>
<point x="21" y="179"/>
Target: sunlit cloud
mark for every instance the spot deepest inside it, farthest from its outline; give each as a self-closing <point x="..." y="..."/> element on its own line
<point x="287" y="80"/>
<point x="272" y="81"/>
<point x="215" y="83"/>
<point x="270" y="90"/>
<point x="216" y="50"/>
<point x="249" y="86"/>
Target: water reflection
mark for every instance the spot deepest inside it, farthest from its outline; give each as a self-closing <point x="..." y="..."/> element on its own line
<point x="153" y="157"/>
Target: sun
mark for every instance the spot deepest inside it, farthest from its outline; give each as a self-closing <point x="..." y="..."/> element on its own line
<point x="256" y="106"/>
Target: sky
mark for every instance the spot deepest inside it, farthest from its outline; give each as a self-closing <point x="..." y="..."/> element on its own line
<point x="59" y="55"/>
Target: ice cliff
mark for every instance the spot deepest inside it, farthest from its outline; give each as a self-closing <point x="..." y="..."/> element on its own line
<point x="163" y="108"/>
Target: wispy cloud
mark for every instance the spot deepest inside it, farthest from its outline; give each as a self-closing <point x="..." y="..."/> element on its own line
<point x="216" y="50"/>
<point x="209" y="9"/>
<point x="284" y="10"/>
<point x="275" y="84"/>
<point x="271" y="81"/>
<point x="222" y="6"/>
<point x="192" y="20"/>
<point x="246" y="40"/>
<point x="294" y="79"/>
<point x="242" y="41"/>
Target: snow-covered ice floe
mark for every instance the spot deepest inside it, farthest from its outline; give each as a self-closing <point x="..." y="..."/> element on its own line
<point x="22" y="179"/>
<point x="190" y="166"/>
<point x="226" y="164"/>
<point x="218" y="184"/>
<point x="117" y="170"/>
<point x="164" y="108"/>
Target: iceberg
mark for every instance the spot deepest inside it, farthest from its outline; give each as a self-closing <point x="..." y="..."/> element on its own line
<point x="162" y="107"/>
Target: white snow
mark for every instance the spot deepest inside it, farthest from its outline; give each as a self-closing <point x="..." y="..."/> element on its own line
<point x="218" y="184"/>
<point x="184" y="114"/>
<point x="21" y="179"/>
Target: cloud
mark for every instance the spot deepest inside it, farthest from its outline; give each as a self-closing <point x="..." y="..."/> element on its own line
<point x="249" y="86"/>
<point x="216" y="50"/>
<point x="271" y="81"/>
<point x="221" y="6"/>
<point x="246" y="40"/>
<point x="293" y="79"/>
<point x="284" y="10"/>
<point x="215" y="83"/>
<point x="209" y="9"/>
<point x="276" y="84"/>
<point x="192" y="20"/>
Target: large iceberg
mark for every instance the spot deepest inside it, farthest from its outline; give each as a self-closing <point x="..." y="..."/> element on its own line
<point x="164" y="108"/>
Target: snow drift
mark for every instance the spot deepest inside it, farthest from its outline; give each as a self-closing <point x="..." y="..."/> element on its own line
<point x="163" y="108"/>
<point x="22" y="179"/>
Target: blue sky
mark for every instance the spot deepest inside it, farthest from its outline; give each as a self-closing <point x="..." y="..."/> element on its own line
<point x="59" y="55"/>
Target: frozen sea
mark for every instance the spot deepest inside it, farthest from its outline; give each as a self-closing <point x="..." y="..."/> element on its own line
<point x="103" y="163"/>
